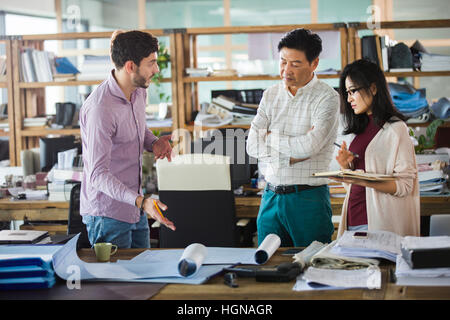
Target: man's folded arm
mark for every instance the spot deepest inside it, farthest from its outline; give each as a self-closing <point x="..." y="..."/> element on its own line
<point x="324" y="123"/>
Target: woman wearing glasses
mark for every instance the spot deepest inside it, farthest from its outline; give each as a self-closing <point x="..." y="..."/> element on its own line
<point x="383" y="146"/>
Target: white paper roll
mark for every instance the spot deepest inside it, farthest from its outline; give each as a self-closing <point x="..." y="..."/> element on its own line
<point x="191" y="259"/>
<point x="267" y="248"/>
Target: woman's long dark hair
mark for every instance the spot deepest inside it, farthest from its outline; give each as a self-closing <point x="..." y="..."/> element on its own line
<point x="363" y="74"/>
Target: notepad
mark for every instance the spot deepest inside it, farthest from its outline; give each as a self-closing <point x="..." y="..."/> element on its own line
<point x="357" y="174"/>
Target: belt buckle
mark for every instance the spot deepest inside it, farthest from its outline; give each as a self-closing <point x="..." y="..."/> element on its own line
<point x="281" y="189"/>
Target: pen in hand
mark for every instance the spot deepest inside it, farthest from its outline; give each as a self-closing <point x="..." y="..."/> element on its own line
<point x="354" y="154"/>
<point x="157" y="208"/>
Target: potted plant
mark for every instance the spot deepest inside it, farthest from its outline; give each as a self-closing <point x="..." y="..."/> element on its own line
<point x="163" y="63"/>
<point x="425" y="142"/>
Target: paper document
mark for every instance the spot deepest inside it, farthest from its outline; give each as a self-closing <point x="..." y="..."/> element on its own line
<point x="214" y="255"/>
<point x="67" y="265"/>
<point x="438" y="242"/>
<point x="405" y="275"/>
<point x="361" y="278"/>
<point x="357" y="174"/>
<point x="326" y="260"/>
<point x="378" y="244"/>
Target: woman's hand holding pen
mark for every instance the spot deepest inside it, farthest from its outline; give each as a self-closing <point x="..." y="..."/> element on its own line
<point x="345" y="157"/>
<point x="151" y="207"/>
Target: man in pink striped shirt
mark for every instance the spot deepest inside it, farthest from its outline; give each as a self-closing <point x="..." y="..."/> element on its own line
<point x="114" y="136"/>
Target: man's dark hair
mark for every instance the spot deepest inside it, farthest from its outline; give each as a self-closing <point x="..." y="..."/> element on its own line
<point x="134" y="46"/>
<point x="363" y="74"/>
<point x="302" y="40"/>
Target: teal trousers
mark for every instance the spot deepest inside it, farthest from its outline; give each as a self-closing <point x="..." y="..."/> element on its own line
<point x="298" y="218"/>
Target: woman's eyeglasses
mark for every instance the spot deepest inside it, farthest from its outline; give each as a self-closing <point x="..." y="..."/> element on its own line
<point x="351" y="92"/>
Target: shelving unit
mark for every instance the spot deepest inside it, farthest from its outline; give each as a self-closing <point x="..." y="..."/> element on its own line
<point x="23" y="92"/>
<point x="183" y="46"/>
<point x="8" y="84"/>
<point x="186" y="56"/>
<point x="354" y="27"/>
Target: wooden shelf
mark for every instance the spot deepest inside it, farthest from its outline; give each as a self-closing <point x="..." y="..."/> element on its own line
<point x="30" y="132"/>
<point x="191" y="127"/>
<point x="29" y="85"/>
<point x="418" y="74"/>
<point x="4" y="133"/>
<point x="247" y="78"/>
<point x="47" y="131"/>
<point x="3" y="84"/>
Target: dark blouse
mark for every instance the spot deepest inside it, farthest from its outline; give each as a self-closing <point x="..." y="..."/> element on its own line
<point x="357" y="210"/>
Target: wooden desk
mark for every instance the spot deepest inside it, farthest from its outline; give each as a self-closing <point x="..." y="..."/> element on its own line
<point x="246" y="207"/>
<point x="249" y="289"/>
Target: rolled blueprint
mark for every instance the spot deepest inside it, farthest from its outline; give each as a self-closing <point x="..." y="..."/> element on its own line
<point x="267" y="248"/>
<point x="192" y="259"/>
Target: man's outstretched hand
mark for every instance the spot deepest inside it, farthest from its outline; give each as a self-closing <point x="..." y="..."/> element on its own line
<point x="162" y="148"/>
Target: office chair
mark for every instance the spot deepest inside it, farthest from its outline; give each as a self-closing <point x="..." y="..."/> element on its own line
<point x="197" y="190"/>
<point x="440" y="225"/>
<point x="75" y="223"/>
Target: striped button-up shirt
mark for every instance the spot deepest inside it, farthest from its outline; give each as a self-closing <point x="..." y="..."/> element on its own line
<point x="114" y="135"/>
<point x="300" y="126"/>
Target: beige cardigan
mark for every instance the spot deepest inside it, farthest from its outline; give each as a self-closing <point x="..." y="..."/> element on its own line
<point x="391" y="152"/>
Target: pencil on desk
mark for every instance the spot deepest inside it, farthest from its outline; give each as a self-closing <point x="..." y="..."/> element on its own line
<point x="157" y="208"/>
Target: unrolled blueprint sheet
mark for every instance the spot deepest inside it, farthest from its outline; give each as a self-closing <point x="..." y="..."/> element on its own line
<point x="67" y="265"/>
<point x="218" y="255"/>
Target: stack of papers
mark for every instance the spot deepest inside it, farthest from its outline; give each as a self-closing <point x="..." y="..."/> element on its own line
<point x="406" y="276"/>
<point x="328" y="271"/>
<point x="198" y="72"/>
<point x="378" y="244"/>
<point x="434" y="62"/>
<point x="95" y="68"/>
<point x="432" y="182"/>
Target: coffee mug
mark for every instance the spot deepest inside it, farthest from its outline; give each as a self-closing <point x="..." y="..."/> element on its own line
<point x="104" y="250"/>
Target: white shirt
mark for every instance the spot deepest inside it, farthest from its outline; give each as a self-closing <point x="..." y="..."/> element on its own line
<point x="290" y="119"/>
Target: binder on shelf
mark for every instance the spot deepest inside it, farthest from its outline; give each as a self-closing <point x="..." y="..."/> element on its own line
<point x="369" y="49"/>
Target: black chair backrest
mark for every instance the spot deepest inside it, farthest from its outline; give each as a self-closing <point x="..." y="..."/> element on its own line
<point x="206" y="217"/>
<point x="75" y="223"/>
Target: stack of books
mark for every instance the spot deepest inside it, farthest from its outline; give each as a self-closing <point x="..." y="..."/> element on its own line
<point x="434" y="62"/>
<point x="95" y="68"/>
<point x="61" y="182"/>
<point x="432" y="179"/>
<point x="35" y="122"/>
<point x="36" y="65"/>
<point x="243" y="113"/>
<point x="198" y="72"/>
<point x="432" y="182"/>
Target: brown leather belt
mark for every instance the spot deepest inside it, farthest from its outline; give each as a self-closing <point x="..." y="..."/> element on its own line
<point x="283" y="189"/>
